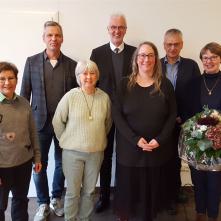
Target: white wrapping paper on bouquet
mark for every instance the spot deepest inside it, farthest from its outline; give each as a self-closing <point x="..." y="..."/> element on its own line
<point x="200" y="141"/>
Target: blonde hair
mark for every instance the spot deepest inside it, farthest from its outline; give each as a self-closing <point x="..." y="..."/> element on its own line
<point x="83" y="66"/>
<point x="157" y="71"/>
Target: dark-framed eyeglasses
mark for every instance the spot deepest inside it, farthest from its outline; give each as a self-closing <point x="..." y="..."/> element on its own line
<point x="115" y="28"/>
<point x="143" y="56"/>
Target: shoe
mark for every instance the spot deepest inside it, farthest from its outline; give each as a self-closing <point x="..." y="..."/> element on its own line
<point x="42" y="213"/>
<point x="172" y="209"/>
<point x="57" y="206"/>
<point x="101" y="205"/>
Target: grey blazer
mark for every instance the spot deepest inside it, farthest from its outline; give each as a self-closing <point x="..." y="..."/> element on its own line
<point x="33" y="85"/>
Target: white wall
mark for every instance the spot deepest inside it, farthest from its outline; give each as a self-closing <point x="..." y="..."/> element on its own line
<point x="85" y="21"/>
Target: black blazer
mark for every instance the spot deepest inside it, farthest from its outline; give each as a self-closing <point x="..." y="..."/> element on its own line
<point x="102" y="56"/>
<point x="188" y="70"/>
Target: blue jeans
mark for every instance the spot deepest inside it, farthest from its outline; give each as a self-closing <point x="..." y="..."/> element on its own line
<point x="46" y="135"/>
<point x="207" y="190"/>
<point x="17" y="180"/>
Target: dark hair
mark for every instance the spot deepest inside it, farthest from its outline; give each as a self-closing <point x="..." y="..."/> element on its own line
<point x="53" y="23"/>
<point x="157" y="71"/>
<point x="7" y="66"/>
<point x="213" y="47"/>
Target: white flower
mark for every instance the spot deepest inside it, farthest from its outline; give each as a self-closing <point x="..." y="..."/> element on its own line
<point x="203" y="128"/>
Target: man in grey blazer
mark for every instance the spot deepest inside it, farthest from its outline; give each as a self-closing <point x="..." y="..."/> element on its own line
<point x="47" y="77"/>
<point x="114" y="62"/>
<point x="180" y="71"/>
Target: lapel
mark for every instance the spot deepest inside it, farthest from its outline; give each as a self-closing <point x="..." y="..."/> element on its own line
<point x="126" y="61"/>
<point x="109" y="63"/>
<point x="66" y="71"/>
<point x="163" y="66"/>
<point x="41" y="69"/>
<point x="180" y="73"/>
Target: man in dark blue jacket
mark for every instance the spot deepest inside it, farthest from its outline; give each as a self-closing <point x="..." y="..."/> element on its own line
<point x="180" y="71"/>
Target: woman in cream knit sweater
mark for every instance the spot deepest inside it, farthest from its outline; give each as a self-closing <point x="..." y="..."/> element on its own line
<point x="81" y="123"/>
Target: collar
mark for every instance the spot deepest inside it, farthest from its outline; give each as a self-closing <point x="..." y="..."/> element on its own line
<point x="47" y="58"/>
<point x="121" y="47"/>
<point x="166" y="60"/>
<point x="2" y="97"/>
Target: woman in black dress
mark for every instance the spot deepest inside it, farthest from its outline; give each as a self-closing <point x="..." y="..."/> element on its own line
<point x="144" y="111"/>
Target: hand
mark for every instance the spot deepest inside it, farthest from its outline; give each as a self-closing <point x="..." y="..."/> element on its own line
<point x="151" y="145"/>
<point x="0" y="182"/>
<point x="142" y="143"/>
<point x="37" y="167"/>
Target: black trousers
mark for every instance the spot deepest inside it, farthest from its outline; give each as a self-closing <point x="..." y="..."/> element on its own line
<point x="17" y="180"/>
<point x="173" y="167"/>
<point x="106" y="167"/>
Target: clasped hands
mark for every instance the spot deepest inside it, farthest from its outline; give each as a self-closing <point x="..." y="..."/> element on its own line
<point x="147" y="146"/>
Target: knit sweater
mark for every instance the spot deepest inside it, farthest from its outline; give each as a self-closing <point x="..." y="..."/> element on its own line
<point x="18" y="136"/>
<point x="72" y="126"/>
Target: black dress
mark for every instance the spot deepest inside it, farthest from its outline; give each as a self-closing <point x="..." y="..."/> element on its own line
<point x="140" y="176"/>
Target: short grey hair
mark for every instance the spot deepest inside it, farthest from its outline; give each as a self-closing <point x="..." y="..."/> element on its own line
<point x="53" y="23"/>
<point x="83" y="66"/>
<point x="118" y="14"/>
<point x="173" y="31"/>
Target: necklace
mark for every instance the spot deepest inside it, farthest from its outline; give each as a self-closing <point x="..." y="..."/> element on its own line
<point x="90" y="117"/>
<point x="210" y="90"/>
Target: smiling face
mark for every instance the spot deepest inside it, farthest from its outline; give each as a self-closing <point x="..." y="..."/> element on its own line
<point x="146" y="59"/>
<point x="117" y="29"/>
<point x="8" y="82"/>
<point x="53" y="38"/>
<point x="88" y="80"/>
<point x="211" y="62"/>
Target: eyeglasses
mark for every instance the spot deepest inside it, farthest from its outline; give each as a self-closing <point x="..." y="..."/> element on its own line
<point x="115" y="28"/>
<point x="144" y="56"/>
<point x="3" y="80"/>
<point x="212" y="58"/>
<point x="170" y="45"/>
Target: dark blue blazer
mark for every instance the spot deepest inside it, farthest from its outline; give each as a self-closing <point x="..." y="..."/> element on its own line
<point x="102" y="56"/>
<point x="188" y="70"/>
<point x="33" y="84"/>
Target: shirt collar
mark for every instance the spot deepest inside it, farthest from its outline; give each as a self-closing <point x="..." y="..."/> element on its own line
<point x="2" y="97"/>
<point x="121" y="47"/>
<point x="166" y="60"/>
<point x="47" y="58"/>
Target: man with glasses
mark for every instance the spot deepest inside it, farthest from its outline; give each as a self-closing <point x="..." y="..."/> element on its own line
<point x="180" y="71"/>
<point x="114" y="62"/>
<point x="47" y="77"/>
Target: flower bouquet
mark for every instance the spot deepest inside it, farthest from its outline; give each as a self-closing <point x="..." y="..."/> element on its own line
<point x="200" y="140"/>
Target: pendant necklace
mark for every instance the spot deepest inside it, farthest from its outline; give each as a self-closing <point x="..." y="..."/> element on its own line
<point x="210" y="90"/>
<point x="90" y="117"/>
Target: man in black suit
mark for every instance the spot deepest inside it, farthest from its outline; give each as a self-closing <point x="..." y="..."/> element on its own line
<point x="47" y="77"/>
<point x="114" y="62"/>
<point x="180" y="71"/>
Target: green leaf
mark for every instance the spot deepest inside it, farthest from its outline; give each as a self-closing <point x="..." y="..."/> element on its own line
<point x="204" y="144"/>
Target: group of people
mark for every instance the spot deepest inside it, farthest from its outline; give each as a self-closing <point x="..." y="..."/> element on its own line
<point x="122" y="93"/>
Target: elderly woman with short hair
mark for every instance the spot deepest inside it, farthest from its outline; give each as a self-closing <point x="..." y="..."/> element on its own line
<point x="81" y="122"/>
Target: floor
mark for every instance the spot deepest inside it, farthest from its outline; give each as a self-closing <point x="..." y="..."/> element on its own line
<point x="185" y="212"/>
